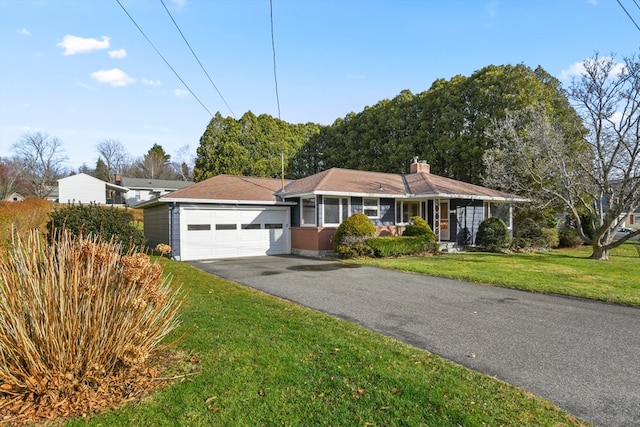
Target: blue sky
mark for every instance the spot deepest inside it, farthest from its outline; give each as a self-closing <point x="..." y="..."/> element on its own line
<point x="81" y="71"/>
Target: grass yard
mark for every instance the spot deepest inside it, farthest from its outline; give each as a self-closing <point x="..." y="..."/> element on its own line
<point x="562" y="271"/>
<point x="265" y="361"/>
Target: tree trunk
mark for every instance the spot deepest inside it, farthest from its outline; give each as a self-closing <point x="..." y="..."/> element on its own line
<point x="600" y="252"/>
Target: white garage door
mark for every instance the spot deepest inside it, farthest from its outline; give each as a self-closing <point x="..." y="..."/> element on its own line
<point x="230" y="233"/>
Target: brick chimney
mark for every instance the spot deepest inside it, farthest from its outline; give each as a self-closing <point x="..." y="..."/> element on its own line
<point x="419" y="166"/>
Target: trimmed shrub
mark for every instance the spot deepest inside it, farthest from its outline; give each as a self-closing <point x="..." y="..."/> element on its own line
<point x="399" y="246"/>
<point x="92" y="220"/>
<point x="350" y="239"/>
<point x="569" y="238"/>
<point x="419" y="227"/>
<point x="85" y="326"/>
<point x="493" y="235"/>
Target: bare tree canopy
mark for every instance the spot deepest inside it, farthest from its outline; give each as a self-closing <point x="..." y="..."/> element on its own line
<point x="114" y="155"/>
<point x="598" y="175"/>
<point x="154" y="165"/>
<point x="42" y="157"/>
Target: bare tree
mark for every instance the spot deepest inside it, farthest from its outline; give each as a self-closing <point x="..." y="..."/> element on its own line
<point x="183" y="163"/>
<point x="10" y="174"/>
<point x="115" y="156"/>
<point x="42" y="158"/>
<point x="156" y="164"/>
<point x="598" y="175"/>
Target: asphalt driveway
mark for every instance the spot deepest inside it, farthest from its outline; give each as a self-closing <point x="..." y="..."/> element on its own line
<point x="582" y="355"/>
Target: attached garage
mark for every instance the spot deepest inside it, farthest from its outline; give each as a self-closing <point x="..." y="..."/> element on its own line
<point x="234" y="232"/>
<point x="222" y="217"/>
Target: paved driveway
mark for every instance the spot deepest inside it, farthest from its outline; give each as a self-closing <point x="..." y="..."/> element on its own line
<point x="583" y="356"/>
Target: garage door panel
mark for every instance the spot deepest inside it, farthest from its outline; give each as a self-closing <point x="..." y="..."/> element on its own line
<point x="228" y="233"/>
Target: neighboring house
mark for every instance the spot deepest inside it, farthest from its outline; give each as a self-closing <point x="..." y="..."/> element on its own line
<point x="13" y="197"/>
<point x="143" y="189"/>
<point x="632" y="220"/>
<point x="230" y="216"/>
<point x="83" y="188"/>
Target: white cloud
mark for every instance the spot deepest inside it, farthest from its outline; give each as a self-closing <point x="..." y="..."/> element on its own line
<point x="149" y="82"/>
<point x="180" y="92"/>
<point x="355" y="76"/>
<point x="179" y="2"/>
<point x="24" y="32"/>
<point x="72" y="44"/>
<point x="113" y="77"/>
<point x="574" y="70"/>
<point x="577" y="69"/>
<point x="120" y="53"/>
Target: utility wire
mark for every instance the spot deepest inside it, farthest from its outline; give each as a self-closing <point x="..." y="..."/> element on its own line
<point x="163" y="58"/>
<point x="637" y="4"/>
<point x="197" y="59"/>
<point x="273" y="48"/>
<point x="629" y="15"/>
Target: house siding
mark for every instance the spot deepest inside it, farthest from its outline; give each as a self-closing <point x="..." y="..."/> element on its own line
<point x="156" y="226"/>
<point x="295" y="212"/>
<point x="387" y="212"/>
<point x="81" y="189"/>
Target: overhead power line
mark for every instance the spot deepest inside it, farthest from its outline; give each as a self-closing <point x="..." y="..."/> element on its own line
<point x="629" y="15"/>
<point x="273" y="48"/>
<point x="163" y="58"/>
<point x="197" y="59"/>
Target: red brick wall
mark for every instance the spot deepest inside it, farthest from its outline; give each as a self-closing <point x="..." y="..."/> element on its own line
<point x="321" y="238"/>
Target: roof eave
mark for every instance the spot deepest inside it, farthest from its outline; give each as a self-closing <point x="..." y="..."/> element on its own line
<point x="160" y="200"/>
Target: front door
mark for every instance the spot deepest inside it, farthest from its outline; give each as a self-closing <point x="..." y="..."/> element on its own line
<point x="441" y="220"/>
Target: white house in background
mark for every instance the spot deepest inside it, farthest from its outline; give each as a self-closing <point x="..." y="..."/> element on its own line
<point x="144" y="189"/>
<point x="13" y="197"/>
<point x="85" y="189"/>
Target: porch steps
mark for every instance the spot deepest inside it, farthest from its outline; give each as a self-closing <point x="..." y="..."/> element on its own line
<point x="449" y="247"/>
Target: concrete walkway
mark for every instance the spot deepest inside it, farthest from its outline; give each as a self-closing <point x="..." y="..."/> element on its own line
<point x="582" y="355"/>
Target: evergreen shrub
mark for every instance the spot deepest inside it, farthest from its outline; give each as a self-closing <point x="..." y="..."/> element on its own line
<point x="398" y="246"/>
<point x="569" y="238"/>
<point x="350" y="239"/>
<point x="493" y="235"/>
<point x="93" y="220"/>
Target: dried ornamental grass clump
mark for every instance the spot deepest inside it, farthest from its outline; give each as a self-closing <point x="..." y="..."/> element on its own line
<point x="79" y="326"/>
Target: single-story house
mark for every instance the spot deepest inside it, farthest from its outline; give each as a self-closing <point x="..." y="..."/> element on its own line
<point x="232" y="216"/>
<point x="143" y="189"/>
<point x="83" y="188"/>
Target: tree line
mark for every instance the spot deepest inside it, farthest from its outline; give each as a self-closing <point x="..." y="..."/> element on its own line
<point x="39" y="161"/>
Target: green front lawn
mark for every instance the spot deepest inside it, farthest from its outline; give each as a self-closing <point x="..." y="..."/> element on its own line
<point x="264" y="361"/>
<point x="566" y="272"/>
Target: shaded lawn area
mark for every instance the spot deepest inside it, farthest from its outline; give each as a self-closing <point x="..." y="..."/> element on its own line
<point x="265" y="361"/>
<point x="563" y="271"/>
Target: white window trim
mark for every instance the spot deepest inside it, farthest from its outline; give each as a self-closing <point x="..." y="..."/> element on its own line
<point x="377" y="216"/>
<point x="315" y="212"/>
<point x="401" y="213"/>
